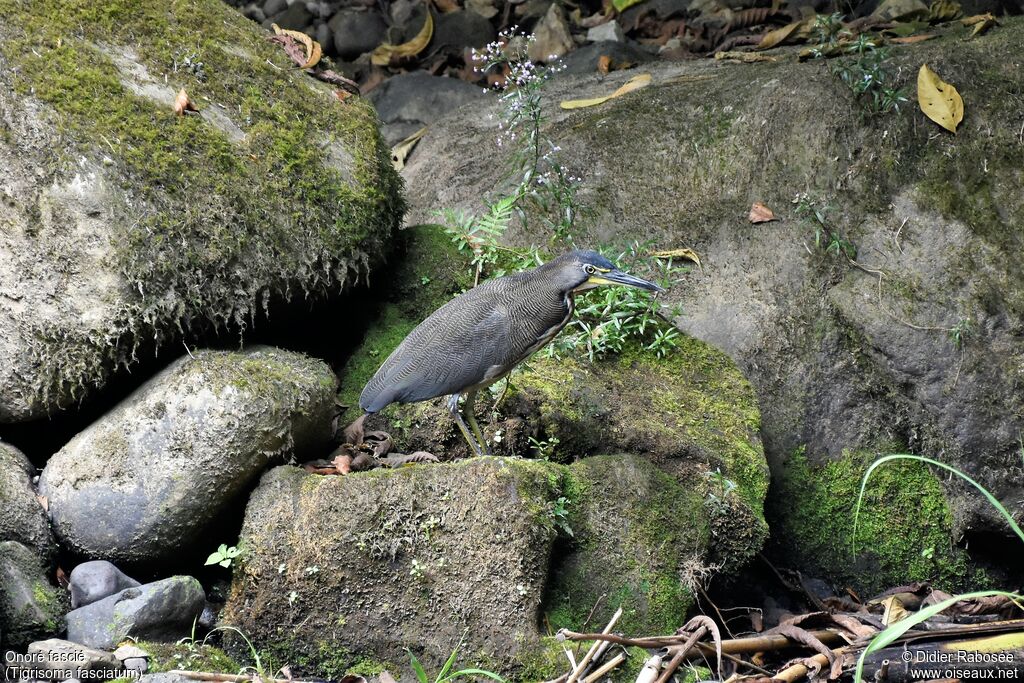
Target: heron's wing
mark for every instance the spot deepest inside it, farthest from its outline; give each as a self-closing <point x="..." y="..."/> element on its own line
<point x="463" y="343"/>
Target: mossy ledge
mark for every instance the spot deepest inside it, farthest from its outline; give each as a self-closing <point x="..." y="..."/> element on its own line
<point x="274" y="188"/>
<point x="903" y="531"/>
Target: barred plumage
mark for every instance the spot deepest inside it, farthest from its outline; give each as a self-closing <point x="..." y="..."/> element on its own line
<point x="480" y="335"/>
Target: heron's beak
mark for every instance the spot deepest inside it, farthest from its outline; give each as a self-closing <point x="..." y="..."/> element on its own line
<point x="617" y="277"/>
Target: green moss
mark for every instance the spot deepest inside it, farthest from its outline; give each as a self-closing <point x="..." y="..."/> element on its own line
<point x="221" y="222"/>
<point x="904" y="531"/>
<point x="641" y="567"/>
<point x="188" y="656"/>
<point x="369" y="667"/>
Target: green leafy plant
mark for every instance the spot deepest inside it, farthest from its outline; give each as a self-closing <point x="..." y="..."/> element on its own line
<point x="446" y="673"/>
<point x="545" y="447"/>
<point x="895" y="631"/>
<point x="860" y="64"/>
<point x="559" y="514"/>
<point x="224" y="555"/>
<point x="959" y="333"/>
<point x="826" y="237"/>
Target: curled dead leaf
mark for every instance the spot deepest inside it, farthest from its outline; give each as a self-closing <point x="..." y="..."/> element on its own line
<point x="182" y="104"/>
<point x="342" y="463"/>
<point x="401" y="151"/>
<point x="981" y="23"/>
<point x="386" y="53"/>
<point x="313" y="49"/>
<point x="632" y="84"/>
<point x="759" y="213"/>
<point x="44" y="501"/>
<point x="939" y="100"/>
<point x="943" y="10"/>
<point x="683" y="253"/>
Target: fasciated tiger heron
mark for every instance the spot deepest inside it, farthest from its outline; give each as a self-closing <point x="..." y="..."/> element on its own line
<point x="481" y="335"/>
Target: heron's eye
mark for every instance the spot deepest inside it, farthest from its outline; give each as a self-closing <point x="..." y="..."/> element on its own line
<point x="589" y="269"/>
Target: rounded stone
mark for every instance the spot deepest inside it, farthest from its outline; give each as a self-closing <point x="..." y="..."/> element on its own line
<point x="147" y="479"/>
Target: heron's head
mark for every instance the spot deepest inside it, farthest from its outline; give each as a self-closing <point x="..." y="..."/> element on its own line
<point x="583" y="270"/>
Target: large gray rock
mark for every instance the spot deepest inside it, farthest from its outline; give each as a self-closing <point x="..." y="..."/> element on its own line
<point x="112" y="250"/>
<point x="844" y="356"/>
<point x="163" y="611"/>
<point x="24" y="518"/>
<point x="147" y="479"/>
<point x="95" y="580"/>
<point x="30" y="608"/>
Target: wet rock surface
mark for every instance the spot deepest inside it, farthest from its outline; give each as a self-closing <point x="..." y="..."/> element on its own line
<point x="24" y="518"/>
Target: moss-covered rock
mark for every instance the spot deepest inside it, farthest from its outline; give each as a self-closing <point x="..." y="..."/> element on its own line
<point x="918" y="342"/>
<point x="342" y="569"/>
<point x="639" y="539"/>
<point x="188" y="655"/>
<point x="903" y="525"/>
<point x="30" y="607"/>
<point x="123" y="225"/>
<point x="147" y="480"/>
<point x="24" y="519"/>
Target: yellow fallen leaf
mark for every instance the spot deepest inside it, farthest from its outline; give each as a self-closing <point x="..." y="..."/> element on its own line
<point x="313" y="49"/>
<point x="939" y="100"/>
<point x="622" y="5"/>
<point x="779" y="35"/>
<point x="981" y="23"/>
<point x="632" y="84"/>
<point x="684" y="253"/>
<point x="383" y="54"/>
<point x="943" y="10"/>
<point x="910" y="40"/>
<point x="401" y="151"/>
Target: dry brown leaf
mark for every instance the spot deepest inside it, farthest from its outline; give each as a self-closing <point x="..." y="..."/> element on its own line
<point x="446" y="6"/>
<point x="909" y="40"/>
<point x="44" y="501"/>
<point x="635" y="83"/>
<point x="343" y="463"/>
<point x="604" y="63"/>
<point x="384" y="54"/>
<point x="745" y="57"/>
<point x="313" y="49"/>
<point x="977" y="18"/>
<point x="759" y="213"/>
<point x="182" y="104"/>
<point x="939" y="100"/>
<point x="683" y="253"/>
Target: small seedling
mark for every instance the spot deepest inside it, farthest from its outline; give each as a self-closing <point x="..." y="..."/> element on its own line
<point x="224" y="555"/>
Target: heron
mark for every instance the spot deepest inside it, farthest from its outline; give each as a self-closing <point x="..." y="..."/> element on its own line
<point x="478" y="337"/>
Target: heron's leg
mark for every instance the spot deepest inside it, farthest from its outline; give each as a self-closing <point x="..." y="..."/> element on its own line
<point x="471" y="419"/>
<point x="453" y="408"/>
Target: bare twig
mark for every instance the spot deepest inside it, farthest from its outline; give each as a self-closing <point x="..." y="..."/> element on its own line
<point x="608" y="666"/>
<point x="593" y="648"/>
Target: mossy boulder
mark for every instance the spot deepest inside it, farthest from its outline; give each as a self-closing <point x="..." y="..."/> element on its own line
<point x="31" y="608"/>
<point x="24" y="519"/>
<point x="639" y="538"/>
<point x="903" y="530"/>
<point x="339" y="570"/>
<point x="917" y="341"/>
<point x="147" y="481"/>
<point x="124" y="226"/>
